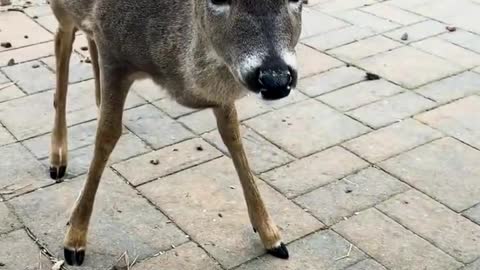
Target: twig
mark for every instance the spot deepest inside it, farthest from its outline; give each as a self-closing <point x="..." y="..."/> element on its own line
<point x="348" y="253"/>
<point x="3" y="86"/>
<point x="133" y="263"/>
<point x="13" y="190"/>
<point x="58" y="265"/>
<point x="40" y="260"/>
<point x="7" y="186"/>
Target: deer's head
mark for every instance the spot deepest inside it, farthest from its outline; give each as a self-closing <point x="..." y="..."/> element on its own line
<point x="256" y="39"/>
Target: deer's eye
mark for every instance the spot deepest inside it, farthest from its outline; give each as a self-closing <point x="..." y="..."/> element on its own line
<point x="220" y="2"/>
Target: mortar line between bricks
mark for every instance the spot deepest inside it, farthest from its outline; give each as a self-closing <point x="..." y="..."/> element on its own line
<point x="236" y="267"/>
<point x="374" y="163"/>
<point x="172" y="173"/>
<point x="325" y="228"/>
<point x="374" y="34"/>
<point x="161" y="253"/>
<point x="441" y="103"/>
<point x="334" y="14"/>
<point x="359" y="248"/>
<point x="397" y="120"/>
<point x="158" y="208"/>
<point x="354" y="64"/>
<point x="335" y="89"/>
<point x="311" y="8"/>
<point x="449" y="135"/>
<point x="14" y="83"/>
<point x="404" y="91"/>
<point x="377" y="166"/>
<point x="42" y="26"/>
<point x="227" y="153"/>
<point x="430" y="18"/>
<point x="408" y="43"/>
<point x="242" y="121"/>
<point x="69" y="126"/>
<point x="42" y="247"/>
<point x="371" y="128"/>
<point x="473" y="206"/>
<point x="71" y="180"/>
<point x="470" y="219"/>
<point x="313" y="153"/>
<point x="23" y="47"/>
<point x="348" y="64"/>
<point x="449" y="42"/>
<point x="420" y="236"/>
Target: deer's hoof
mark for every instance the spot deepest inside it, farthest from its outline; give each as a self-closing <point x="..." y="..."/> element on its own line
<point x="280" y="252"/>
<point x="73" y="257"/>
<point x="57" y="173"/>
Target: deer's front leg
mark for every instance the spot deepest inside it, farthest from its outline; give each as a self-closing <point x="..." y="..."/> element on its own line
<point x="109" y="130"/>
<point x="228" y="127"/>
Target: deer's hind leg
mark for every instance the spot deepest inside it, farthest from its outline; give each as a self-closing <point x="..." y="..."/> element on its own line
<point x="92" y="46"/>
<point x="63" y="49"/>
<point x="228" y="127"/>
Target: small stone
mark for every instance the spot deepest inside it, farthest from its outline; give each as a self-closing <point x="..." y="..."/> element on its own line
<point x="35" y="17"/>
<point x="154" y="162"/>
<point x="11" y="62"/>
<point x="199" y="148"/>
<point x="6" y="44"/>
<point x="348" y="190"/>
<point x="87" y="60"/>
<point x="35" y="66"/>
<point x="25" y="36"/>
<point x="232" y="187"/>
<point x="404" y="36"/>
<point x="372" y="77"/>
<point x="451" y="28"/>
<point x="84" y="48"/>
<point x="175" y="150"/>
<point x="220" y="215"/>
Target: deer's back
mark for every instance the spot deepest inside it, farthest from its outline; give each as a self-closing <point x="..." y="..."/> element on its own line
<point x="149" y="35"/>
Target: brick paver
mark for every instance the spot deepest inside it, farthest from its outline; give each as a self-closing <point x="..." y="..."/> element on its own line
<point x="358" y="174"/>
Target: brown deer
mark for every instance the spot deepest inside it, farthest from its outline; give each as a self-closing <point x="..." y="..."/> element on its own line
<point x="205" y="53"/>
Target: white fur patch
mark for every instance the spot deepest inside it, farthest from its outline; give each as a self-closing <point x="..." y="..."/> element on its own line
<point x="249" y="64"/>
<point x="290" y="59"/>
<point x="296" y="6"/>
<point x="218" y="9"/>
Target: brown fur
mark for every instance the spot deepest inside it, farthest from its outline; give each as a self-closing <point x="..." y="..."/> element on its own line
<point x="191" y="53"/>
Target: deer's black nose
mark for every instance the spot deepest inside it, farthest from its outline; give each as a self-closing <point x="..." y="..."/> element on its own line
<point x="275" y="83"/>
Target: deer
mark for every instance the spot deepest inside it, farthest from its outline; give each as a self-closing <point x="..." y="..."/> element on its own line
<point x="204" y="53"/>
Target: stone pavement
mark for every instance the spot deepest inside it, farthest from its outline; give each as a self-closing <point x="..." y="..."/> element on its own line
<point x="358" y="174"/>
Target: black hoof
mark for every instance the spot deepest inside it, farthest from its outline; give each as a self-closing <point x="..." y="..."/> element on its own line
<point x="57" y="173"/>
<point x="279" y="252"/>
<point x="73" y="257"/>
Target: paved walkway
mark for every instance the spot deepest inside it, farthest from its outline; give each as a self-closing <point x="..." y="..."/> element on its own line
<point x="381" y="174"/>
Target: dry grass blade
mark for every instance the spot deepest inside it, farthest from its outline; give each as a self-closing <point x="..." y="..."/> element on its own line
<point x="58" y="265"/>
<point x="12" y="191"/>
<point x="347" y="255"/>
<point x="3" y="86"/>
